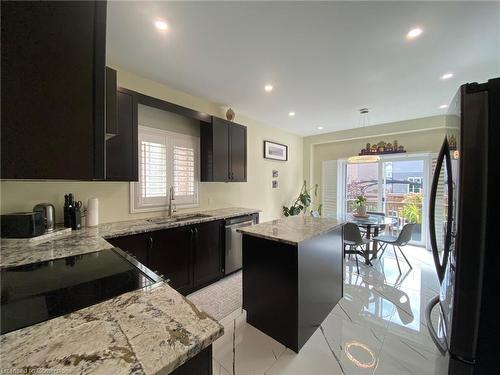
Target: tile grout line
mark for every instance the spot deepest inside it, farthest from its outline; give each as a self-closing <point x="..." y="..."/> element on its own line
<point x="348" y="316"/>
<point x="412" y="348"/>
<point x="331" y="350"/>
<point x="234" y="347"/>
<point x="382" y="344"/>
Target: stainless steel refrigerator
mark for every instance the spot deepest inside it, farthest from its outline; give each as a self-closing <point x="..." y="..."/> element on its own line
<point x="464" y="212"/>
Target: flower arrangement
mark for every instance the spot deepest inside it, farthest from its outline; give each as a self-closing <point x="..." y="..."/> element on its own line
<point x="360" y="204"/>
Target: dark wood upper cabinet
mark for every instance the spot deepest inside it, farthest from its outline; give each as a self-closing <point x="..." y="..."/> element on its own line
<point x="53" y="89"/>
<point x="121" y="147"/>
<point x="214" y="140"/>
<point x="111" y="109"/>
<point x="238" y="152"/>
<point x="223" y="151"/>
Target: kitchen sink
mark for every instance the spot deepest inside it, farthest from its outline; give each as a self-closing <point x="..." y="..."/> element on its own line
<point x="176" y="219"/>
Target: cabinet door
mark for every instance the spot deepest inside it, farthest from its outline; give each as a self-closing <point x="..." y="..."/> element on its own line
<point x="238" y="152"/>
<point x="53" y="89"/>
<point x="138" y="245"/>
<point x="171" y="256"/>
<point x="207" y="253"/>
<point x="121" y="149"/>
<point x="220" y="134"/>
<point x="111" y="111"/>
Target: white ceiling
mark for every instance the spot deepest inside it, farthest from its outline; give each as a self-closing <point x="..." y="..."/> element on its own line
<point x="325" y="59"/>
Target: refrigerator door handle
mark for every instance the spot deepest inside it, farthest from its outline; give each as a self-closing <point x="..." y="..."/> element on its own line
<point x="440" y="344"/>
<point x="443" y="153"/>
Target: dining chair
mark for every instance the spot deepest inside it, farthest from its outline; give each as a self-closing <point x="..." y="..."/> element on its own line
<point x="401" y="240"/>
<point x="355" y="242"/>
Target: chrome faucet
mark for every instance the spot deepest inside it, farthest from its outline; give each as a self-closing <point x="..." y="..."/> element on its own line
<point x="171" y="206"/>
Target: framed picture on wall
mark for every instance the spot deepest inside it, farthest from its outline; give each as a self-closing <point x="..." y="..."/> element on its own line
<point x="275" y="151"/>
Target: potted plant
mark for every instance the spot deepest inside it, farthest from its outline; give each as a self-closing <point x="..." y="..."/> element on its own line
<point x="412" y="213"/>
<point x="360" y="204"/>
<point x="302" y="202"/>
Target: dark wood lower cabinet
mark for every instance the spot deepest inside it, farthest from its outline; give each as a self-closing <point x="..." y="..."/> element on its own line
<point x="137" y="245"/>
<point x="171" y="256"/>
<point x="189" y="256"/>
<point x="208" y="253"/>
<point x="200" y="364"/>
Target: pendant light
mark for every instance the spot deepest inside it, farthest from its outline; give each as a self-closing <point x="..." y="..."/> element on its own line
<point x="358" y="159"/>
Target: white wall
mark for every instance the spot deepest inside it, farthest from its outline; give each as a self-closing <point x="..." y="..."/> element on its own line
<point x="114" y="196"/>
<point x="416" y="135"/>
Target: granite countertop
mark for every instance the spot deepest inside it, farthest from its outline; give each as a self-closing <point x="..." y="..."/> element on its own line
<point x="147" y="331"/>
<point x="88" y="240"/>
<point x="292" y="230"/>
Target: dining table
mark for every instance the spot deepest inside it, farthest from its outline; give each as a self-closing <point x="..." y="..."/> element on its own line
<point x="372" y="225"/>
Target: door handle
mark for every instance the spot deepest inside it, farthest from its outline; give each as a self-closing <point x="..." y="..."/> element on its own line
<point x="150" y="242"/>
<point x="432" y="332"/>
<point x="440" y="268"/>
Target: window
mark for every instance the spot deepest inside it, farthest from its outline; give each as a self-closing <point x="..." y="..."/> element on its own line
<point x="165" y="159"/>
<point x="415" y="185"/>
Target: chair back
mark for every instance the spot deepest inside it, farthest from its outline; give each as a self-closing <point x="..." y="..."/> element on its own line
<point x="375" y="213"/>
<point x="352" y="233"/>
<point x="405" y="234"/>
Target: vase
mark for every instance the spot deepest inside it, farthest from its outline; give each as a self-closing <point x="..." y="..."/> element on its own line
<point x="230" y="114"/>
<point x="361" y="210"/>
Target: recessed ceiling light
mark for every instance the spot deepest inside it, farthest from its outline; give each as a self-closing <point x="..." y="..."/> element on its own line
<point x="447" y="76"/>
<point x="414" y="33"/>
<point x="320" y="128"/>
<point x="161" y="25"/>
<point x="268" y="88"/>
<point x="291" y="114"/>
<point x="443" y="106"/>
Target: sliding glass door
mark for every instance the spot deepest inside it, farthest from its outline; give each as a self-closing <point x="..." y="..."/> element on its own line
<point x="395" y="186"/>
<point x="362" y="179"/>
<point x="403" y="189"/>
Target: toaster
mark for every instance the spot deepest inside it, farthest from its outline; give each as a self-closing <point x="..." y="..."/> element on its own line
<point x="48" y="215"/>
<point x="22" y="224"/>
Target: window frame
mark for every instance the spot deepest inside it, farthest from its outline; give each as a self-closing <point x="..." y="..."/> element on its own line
<point x="137" y="205"/>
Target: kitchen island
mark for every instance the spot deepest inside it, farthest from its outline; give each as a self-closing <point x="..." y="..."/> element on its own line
<point x="292" y="276"/>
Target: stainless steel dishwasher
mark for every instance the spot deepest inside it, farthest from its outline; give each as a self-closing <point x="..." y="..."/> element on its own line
<point x="234" y="257"/>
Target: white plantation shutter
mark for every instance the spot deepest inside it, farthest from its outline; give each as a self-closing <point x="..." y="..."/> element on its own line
<point x="329" y="187"/>
<point x="165" y="159"/>
<point x="185" y="176"/>
<point x="153" y="169"/>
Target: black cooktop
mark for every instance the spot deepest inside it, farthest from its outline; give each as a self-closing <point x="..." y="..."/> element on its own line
<point x="41" y="291"/>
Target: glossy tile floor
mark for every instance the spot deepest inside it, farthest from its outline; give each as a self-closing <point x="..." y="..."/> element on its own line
<point x="377" y="328"/>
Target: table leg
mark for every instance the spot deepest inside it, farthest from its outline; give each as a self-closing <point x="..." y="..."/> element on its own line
<point x="375" y="243"/>
<point x="367" y="252"/>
